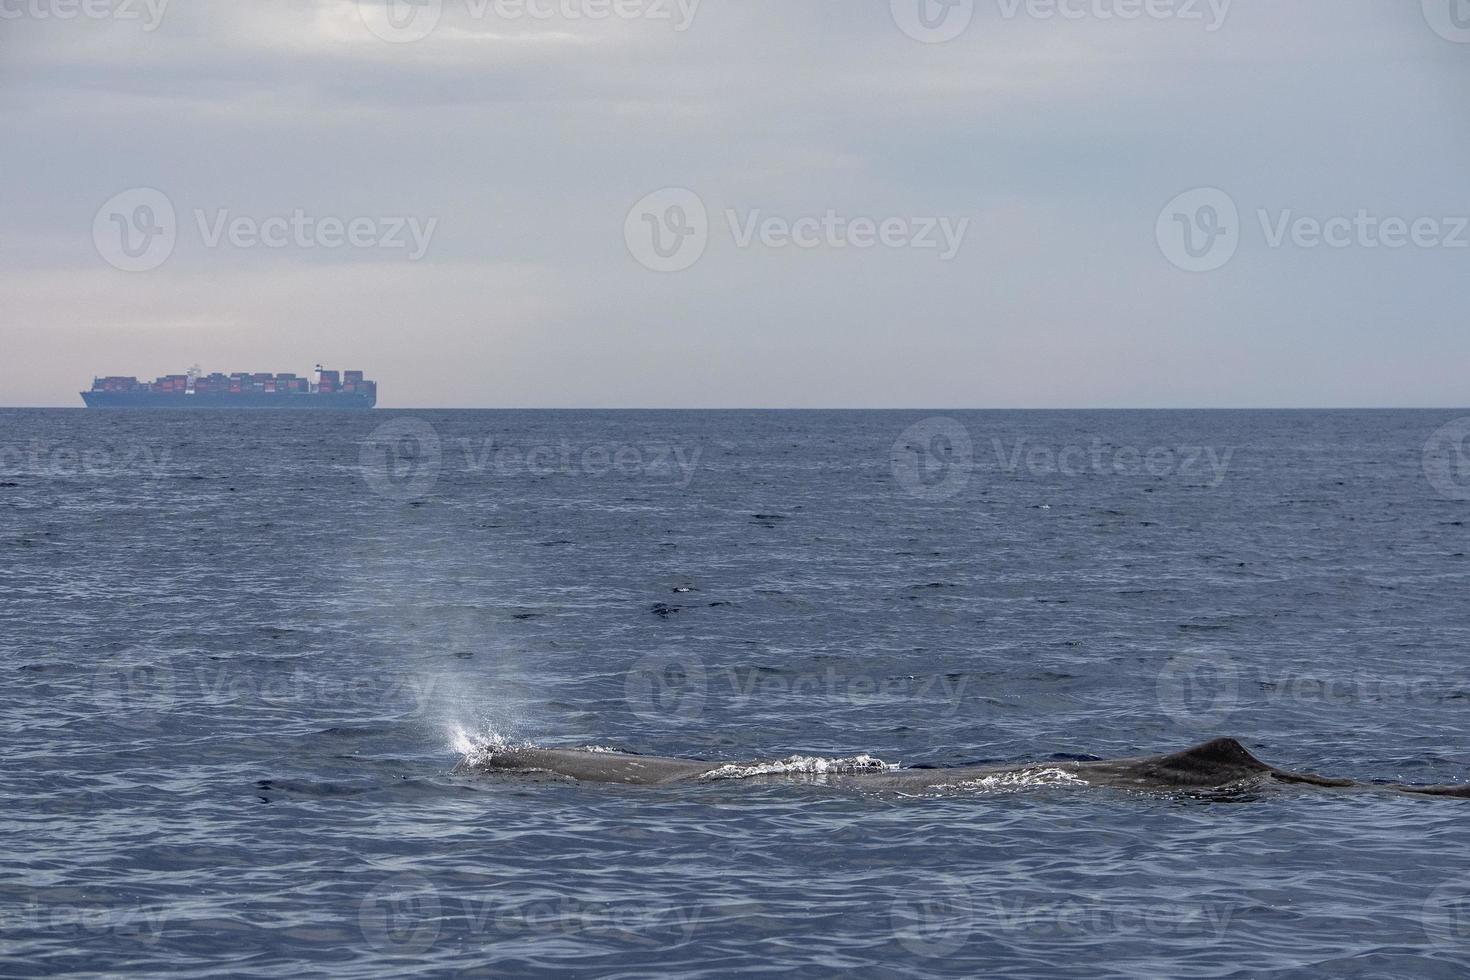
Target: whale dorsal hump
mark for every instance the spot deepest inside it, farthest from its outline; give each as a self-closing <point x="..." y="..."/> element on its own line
<point x="1218" y="752"/>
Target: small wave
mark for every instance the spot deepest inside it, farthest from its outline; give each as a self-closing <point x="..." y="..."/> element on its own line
<point x="800" y="764"/>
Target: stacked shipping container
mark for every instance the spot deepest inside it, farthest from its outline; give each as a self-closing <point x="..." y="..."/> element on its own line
<point x="263" y="384"/>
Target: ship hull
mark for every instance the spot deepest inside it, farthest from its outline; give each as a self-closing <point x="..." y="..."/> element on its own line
<point x="178" y="401"/>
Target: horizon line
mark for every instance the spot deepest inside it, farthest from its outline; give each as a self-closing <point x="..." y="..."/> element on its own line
<point x="760" y="408"/>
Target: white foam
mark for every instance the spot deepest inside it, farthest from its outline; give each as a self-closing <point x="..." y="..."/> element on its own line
<point x="800" y="764"/>
<point x="1019" y="779"/>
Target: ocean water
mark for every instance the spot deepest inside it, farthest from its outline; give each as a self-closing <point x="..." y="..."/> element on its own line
<point x="243" y="652"/>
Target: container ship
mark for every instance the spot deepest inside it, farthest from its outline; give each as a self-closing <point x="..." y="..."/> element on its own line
<point x="196" y="390"/>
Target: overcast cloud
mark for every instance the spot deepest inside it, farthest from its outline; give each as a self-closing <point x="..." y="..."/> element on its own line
<point x="743" y="203"/>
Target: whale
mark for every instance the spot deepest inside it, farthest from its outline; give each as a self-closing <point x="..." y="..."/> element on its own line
<point x="1221" y="766"/>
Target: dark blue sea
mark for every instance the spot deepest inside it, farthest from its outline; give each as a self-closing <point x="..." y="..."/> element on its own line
<point x="242" y="653"/>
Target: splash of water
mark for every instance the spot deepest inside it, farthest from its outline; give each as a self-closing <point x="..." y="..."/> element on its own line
<point x="481" y="744"/>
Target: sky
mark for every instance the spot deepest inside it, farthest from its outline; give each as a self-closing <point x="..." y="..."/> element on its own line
<point x="743" y="203"/>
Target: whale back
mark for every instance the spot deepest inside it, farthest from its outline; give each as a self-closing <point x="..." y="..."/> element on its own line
<point x="1216" y="763"/>
<point x="587" y="765"/>
<point x="1219" y="764"/>
<point x="1216" y="753"/>
<point x="1462" y="791"/>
